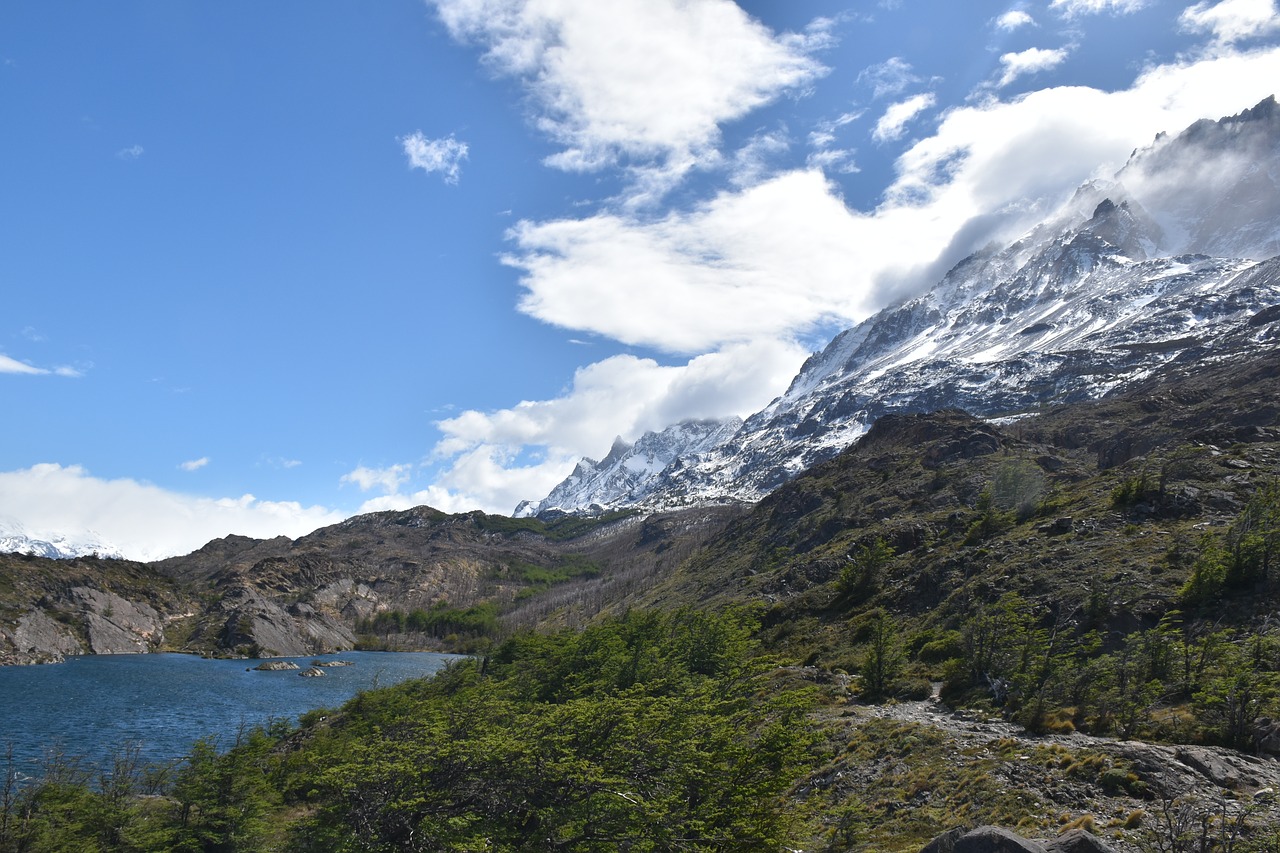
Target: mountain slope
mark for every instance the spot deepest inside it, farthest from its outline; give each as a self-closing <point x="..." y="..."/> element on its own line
<point x="1162" y="265"/>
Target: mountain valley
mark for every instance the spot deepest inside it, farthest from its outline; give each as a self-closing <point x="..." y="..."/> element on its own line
<point x="1004" y="553"/>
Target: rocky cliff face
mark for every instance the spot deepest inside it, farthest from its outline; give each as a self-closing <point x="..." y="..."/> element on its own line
<point x="55" y="608"/>
<point x="1165" y="264"/>
<point x="251" y="623"/>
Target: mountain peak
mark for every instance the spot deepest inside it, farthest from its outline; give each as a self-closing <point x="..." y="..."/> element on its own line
<point x="1156" y="266"/>
<point x="622" y="476"/>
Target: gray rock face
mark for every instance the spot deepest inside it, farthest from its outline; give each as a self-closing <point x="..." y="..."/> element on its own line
<point x="1216" y="768"/>
<point x="1266" y="735"/>
<point x="944" y="843"/>
<point x="39" y="638"/>
<point x="116" y="626"/>
<point x="353" y="600"/>
<point x="90" y="621"/>
<point x="252" y="621"/>
<point x="1077" y="841"/>
<point x="993" y="839"/>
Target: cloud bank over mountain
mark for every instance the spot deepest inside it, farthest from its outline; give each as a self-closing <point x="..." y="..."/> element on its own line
<point x="682" y="199"/>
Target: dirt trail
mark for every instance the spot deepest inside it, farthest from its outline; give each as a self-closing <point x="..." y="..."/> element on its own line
<point x="1213" y="779"/>
<point x="1179" y="769"/>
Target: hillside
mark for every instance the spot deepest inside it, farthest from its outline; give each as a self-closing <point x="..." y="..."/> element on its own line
<point x="1100" y="505"/>
<point x="53" y="608"/>
<point x="1063" y="621"/>
<point x="467" y="578"/>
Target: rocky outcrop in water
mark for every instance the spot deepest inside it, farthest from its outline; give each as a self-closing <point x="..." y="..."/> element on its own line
<point x="276" y="666"/>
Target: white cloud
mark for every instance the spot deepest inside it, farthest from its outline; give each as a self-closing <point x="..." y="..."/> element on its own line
<point x="487" y="477"/>
<point x="1030" y="61"/>
<point x="12" y="365"/>
<point x="889" y="77"/>
<point x="435" y="155"/>
<point x="133" y="152"/>
<point x="824" y="134"/>
<point x="768" y="262"/>
<point x="626" y="395"/>
<point x="754" y="160"/>
<point x="839" y="160"/>
<point x="1075" y="8"/>
<point x="623" y="395"/>
<point x="389" y="479"/>
<point x="144" y="521"/>
<point x="825" y="155"/>
<point x="649" y="81"/>
<point x="1013" y="19"/>
<point x="785" y="255"/>
<point x="1232" y="20"/>
<point x="195" y="464"/>
<point x="893" y="124"/>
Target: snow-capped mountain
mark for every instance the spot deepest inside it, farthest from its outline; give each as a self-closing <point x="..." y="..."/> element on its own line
<point x="15" y="540"/>
<point x="625" y="476"/>
<point x="1165" y="263"/>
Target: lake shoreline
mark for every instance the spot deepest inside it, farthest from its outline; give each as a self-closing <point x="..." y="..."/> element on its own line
<point x="166" y="701"/>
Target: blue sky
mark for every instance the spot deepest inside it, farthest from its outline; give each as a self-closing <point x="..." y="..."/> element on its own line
<point x="266" y="265"/>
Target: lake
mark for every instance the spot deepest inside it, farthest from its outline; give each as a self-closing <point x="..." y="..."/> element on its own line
<point x="90" y="705"/>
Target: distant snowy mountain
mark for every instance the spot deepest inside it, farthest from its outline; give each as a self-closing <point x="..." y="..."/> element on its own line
<point x="15" y="540"/>
<point x="1165" y="263"/>
<point x="629" y="472"/>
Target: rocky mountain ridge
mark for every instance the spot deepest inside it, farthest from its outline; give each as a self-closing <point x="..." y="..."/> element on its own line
<point x="1165" y="263"/>
<point x="239" y="596"/>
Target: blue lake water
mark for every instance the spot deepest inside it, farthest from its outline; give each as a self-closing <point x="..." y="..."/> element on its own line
<point x="89" y="706"/>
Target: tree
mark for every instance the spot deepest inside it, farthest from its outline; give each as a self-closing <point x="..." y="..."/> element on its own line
<point x="882" y="660"/>
<point x="863" y="572"/>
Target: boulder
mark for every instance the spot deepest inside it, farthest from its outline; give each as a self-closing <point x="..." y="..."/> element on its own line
<point x="1216" y="767"/>
<point x="1266" y="735"/>
<point x="993" y="839"/>
<point x="946" y="842"/>
<point x="312" y="672"/>
<point x="1077" y="841"/>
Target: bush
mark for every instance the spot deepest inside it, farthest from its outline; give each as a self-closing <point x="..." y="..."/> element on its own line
<point x="911" y="689"/>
